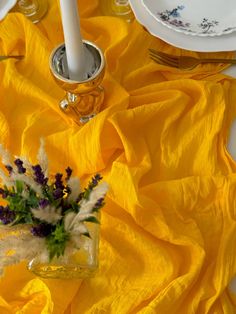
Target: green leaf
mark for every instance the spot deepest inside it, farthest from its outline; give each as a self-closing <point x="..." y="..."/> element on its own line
<point x="86" y="194"/>
<point x="32" y="202"/>
<point x="56" y="241"/>
<point x="75" y="207"/>
<point x="19" y="186"/>
<point x="48" y="193"/>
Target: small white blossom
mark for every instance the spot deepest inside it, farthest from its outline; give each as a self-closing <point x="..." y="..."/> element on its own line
<point x="87" y="206"/>
<point x="6" y="158"/>
<point x="27" y="165"/>
<point x="29" y="181"/>
<point x="68" y="220"/>
<point x="74" y="185"/>
<point x="77" y="241"/>
<point x="42" y="157"/>
<point x="75" y="223"/>
<point x="6" y="180"/>
<point x="17" y="245"/>
<point x="48" y="214"/>
<point x="80" y="228"/>
<point x="96" y="194"/>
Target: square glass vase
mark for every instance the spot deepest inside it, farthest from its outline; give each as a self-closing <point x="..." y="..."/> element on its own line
<point x="81" y="263"/>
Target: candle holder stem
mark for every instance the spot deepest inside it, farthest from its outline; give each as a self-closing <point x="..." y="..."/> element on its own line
<point x="82" y="107"/>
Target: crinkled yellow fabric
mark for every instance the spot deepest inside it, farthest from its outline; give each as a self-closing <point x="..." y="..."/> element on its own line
<point x="168" y="233"/>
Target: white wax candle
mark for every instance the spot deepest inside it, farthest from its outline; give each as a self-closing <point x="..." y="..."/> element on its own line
<point x="73" y="41"/>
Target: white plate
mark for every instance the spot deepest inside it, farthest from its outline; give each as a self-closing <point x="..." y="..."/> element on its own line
<point x="195" y="43"/>
<point x="195" y="17"/>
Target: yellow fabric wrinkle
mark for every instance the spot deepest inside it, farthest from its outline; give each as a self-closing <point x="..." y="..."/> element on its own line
<point x="37" y="298"/>
<point x="168" y="229"/>
<point x="113" y="44"/>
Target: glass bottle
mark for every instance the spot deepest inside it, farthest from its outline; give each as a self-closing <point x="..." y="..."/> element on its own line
<point x="32" y="9"/>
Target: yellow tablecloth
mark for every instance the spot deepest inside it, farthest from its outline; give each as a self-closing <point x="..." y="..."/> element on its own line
<point x="168" y="233"/>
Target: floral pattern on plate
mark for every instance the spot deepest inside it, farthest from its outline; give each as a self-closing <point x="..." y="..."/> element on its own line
<point x="194" y="17"/>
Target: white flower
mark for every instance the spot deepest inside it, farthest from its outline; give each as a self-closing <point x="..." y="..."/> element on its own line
<point x="28" y="181"/>
<point x="6" y="158"/>
<point x="43" y="158"/>
<point x="49" y="214"/>
<point x="75" y="230"/>
<point x="68" y="220"/>
<point x="73" y="220"/>
<point x="17" y="245"/>
<point x="75" y="223"/>
<point x="74" y="185"/>
<point x="96" y="194"/>
<point x="27" y="178"/>
<point x="8" y="181"/>
<point x="27" y="165"/>
<point x="5" y="7"/>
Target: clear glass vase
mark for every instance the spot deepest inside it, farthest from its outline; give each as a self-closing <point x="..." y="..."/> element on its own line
<point x="32" y="9"/>
<point x="75" y="263"/>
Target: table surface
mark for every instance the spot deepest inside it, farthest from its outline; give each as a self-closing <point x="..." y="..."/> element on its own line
<point x="161" y="141"/>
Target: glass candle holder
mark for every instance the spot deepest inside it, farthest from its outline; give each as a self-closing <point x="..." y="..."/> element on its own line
<point x="82" y="99"/>
<point x="119" y="8"/>
<point x="32" y="9"/>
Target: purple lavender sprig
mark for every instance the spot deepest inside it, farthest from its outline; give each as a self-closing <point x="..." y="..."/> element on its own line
<point x="7" y="216"/>
<point x="42" y="230"/>
<point x="39" y="176"/>
<point x="92" y="184"/>
<point x="68" y="173"/>
<point x="19" y="165"/>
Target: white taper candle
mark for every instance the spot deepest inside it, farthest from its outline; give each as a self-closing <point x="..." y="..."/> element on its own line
<point x="75" y="51"/>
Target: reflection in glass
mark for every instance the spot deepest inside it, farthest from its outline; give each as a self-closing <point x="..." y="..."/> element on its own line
<point x="120" y="8"/>
<point x="32" y="9"/>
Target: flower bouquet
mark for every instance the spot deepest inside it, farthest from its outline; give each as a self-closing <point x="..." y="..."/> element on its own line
<point x="48" y="221"/>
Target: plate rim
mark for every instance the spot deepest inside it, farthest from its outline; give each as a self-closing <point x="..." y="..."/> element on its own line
<point x="193" y="43"/>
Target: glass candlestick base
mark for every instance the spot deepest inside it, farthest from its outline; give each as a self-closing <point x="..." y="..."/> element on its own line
<point x="119" y="8"/>
<point x="34" y="10"/>
<point x="83" y="99"/>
